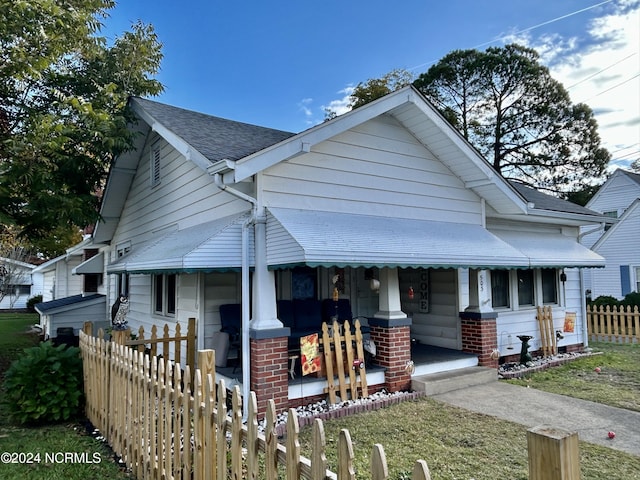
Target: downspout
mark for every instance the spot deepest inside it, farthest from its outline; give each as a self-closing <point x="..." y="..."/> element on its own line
<point x="246" y="352"/>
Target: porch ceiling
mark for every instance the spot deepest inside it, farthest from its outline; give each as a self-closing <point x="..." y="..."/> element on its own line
<point x="315" y="238"/>
<point x="213" y="246"/>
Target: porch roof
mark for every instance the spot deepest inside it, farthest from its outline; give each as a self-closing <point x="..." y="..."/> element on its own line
<point x="551" y="250"/>
<point x="94" y="264"/>
<point x="315" y="238"/>
<point x="208" y="247"/>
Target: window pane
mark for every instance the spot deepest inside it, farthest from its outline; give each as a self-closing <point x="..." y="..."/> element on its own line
<point x="158" y="293"/>
<point x="549" y="286"/>
<point x="638" y="279"/>
<point x="171" y="294"/>
<point x="525" y="287"/>
<point x="500" y="288"/>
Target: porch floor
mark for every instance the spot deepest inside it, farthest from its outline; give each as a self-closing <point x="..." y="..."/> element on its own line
<point x="427" y="359"/>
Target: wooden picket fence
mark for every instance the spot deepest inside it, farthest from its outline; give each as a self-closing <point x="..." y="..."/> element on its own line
<point x="344" y="356"/>
<point x="164" y="426"/>
<point x="166" y="345"/>
<point x="613" y="324"/>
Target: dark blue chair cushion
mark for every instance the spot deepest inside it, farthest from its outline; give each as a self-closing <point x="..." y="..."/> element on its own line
<point x="308" y="315"/>
<point x="343" y="310"/>
<point x="286" y="314"/>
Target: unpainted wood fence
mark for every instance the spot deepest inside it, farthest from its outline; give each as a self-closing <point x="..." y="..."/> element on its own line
<point x="165" y="426"/>
<point x="613" y="324"/>
<point x="167" y="345"/>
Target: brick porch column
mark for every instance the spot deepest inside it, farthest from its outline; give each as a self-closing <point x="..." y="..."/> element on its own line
<point x="392" y="338"/>
<point x="269" y="369"/>
<point x="480" y="336"/>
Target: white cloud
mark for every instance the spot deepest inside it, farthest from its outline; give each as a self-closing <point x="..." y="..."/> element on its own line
<point x="602" y="69"/>
<point x="341" y="105"/>
<point x="305" y="106"/>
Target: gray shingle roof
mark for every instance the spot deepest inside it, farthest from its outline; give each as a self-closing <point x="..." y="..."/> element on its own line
<point x="542" y="201"/>
<point x="214" y="137"/>
<point x="633" y="176"/>
<point x="65" y="302"/>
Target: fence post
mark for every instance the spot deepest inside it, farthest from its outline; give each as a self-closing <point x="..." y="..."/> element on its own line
<point x="553" y="454"/>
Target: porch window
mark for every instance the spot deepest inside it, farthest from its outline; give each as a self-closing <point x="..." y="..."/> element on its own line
<point x="164" y="294"/>
<point x="637" y="270"/>
<point x="525" y="287"/>
<point x="500" y="288"/>
<point x="549" y="285"/>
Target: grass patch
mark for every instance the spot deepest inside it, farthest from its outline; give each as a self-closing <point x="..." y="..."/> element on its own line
<point x="14" y="337"/>
<point x="47" y="445"/>
<point x="455" y="443"/>
<point x="617" y="384"/>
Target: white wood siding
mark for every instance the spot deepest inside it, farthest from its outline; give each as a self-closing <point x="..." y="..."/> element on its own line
<point x="621" y="247"/>
<point x="186" y="196"/>
<point x="377" y="168"/>
<point x="617" y="194"/>
<point x="441" y="325"/>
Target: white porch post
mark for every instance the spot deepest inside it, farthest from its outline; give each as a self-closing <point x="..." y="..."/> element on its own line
<point x="389" y="296"/>
<point x="479" y="291"/>
<point x="265" y="315"/>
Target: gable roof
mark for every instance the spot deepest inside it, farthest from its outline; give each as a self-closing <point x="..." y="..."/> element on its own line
<point x="633" y="176"/>
<point x="236" y="151"/>
<point x="606" y="186"/>
<point x="217" y="139"/>
<point x="628" y="213"/>
<point x="542" y="201"/>
<point x="409" y="107"/>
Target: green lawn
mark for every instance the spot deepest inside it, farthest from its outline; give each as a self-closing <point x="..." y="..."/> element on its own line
<point x="457" y="444"/>
<point x="62" y="451"/>
<point x="612" y="378"/>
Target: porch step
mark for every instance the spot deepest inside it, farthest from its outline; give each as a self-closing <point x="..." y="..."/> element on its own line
<point x="441" y="382"/>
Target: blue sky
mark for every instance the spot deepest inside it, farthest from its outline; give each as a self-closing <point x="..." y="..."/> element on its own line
<point x="280" y="64"/>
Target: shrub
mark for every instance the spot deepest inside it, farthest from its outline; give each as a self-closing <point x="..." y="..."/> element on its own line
<point x="44" y="384"/>
<point x="632" y="299"/>
<point x="31" y="303"/>
<point x="605" y="300"/>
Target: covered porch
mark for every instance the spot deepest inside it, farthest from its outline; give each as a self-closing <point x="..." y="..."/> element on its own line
<point x="427" y="359"/>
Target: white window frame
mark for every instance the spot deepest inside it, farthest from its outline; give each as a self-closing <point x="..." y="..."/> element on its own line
<point x="636" y="281"/>
<point x="513" y="297"/>
<point x="162" y="306"/>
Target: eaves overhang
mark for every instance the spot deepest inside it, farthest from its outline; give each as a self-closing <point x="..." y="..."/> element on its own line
<point x="177" y="142"/>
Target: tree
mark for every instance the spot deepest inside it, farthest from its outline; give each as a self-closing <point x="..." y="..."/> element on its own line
<point x="63" y="116"/>
<point x="507" y="105"/>
<point x="518" y="117"/>
<point x="375" y="88"/>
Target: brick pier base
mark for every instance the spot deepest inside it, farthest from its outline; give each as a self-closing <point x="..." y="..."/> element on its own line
<point x="393" y="350"/>
<point x="480" y="336"/>
<point x="269" y="369"/>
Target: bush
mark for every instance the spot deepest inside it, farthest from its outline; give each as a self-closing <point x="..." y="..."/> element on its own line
<point x="605" y="300"/>
<point x="44" y="384"/>
<point x="631" y="299"/>
<point x="31" y="303"/>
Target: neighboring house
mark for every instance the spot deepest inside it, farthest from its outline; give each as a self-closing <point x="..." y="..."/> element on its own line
<point x="617" y="241"/>
<point x="73" y="289"/>
<point x="18" y="283"/>
<point x="206" y="212"/>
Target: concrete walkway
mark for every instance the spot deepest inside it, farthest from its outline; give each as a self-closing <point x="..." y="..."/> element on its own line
<point x="531" y="407"/>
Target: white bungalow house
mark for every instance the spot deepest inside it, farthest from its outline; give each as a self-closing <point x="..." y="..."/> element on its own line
<point x="617" y="240"/>
<point x="18" y="283"/>
<point x="207" y="213"/>
<point x="73" y="289"/>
